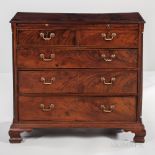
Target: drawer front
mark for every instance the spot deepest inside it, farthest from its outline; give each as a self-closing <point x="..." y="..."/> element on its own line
<point x="82" y="81"/>
<point x="48" y="58"/>
<point x="108" y="82"/>
<point x="46" y="37"/>
<point x="109" y="38"/>
<point x="94" y="109"/>
<point x="47" y="81"/>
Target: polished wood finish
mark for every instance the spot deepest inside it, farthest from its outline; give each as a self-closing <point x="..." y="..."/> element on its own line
<point x="90" y="81"/>
<point x="64" y="81"/>
<point x="81" y="18"/>
<point x="77" y="109"/>
<point x="32" y="37"/>
<point x="77" y="71"/>
<point x="124" y="38"/>
<point x="91" y="58"/>
<point x="78" y="81"/>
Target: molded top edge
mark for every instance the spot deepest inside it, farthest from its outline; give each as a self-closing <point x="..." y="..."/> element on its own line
<point x="90" y="18"/>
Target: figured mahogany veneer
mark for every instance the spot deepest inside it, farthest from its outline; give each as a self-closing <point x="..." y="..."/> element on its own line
<point x="90" y="58"/>
<point x="77" y="71"/>
<point x="52" y="81"/>
<point x="124" y="38"/>
<point x="77" y="81"/>
<point x="77" y="109"/>
<point x="32" y="37"/>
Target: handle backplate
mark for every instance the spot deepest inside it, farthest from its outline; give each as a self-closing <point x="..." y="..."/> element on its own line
<point x="47" y="36"/>
<point x="46" y="109"/>
<point x="103" y="79"/>
<point x="107" y="109"/>
<point x="42" y="57"/>
<point x="108" y="59"/>
<point x="43" y="79"/>
<point x="108" y="36"/>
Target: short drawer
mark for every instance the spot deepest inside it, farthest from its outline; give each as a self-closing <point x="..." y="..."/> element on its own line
<point x="66" y="108"/>
<point x="122" y="38"/>
<point x="53" y="81"/>
<point x="46" y="37"/>
<point x="101" y="58"/>
<point x="108" y="82"/>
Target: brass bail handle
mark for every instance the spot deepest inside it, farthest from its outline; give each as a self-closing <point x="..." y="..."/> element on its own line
<point x="107" y="109"/>
<point x="105" y="58"/>
<point x="42" y="57"/>
<point x="42" y="79"/>
<point x="109" y="36"/>
<point x="47" y="36"/>
<point x="49" y="108"/>
<point x="108" y="83"/>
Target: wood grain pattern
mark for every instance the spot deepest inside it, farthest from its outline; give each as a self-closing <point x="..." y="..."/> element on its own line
<point x="65" y="81"/>
<point x="32" y="37"/>
<point x="82" y="98"/>
<point x="90" y="58"/>
<point x="77" y="109"/>
<point x="77" y="18"/>
<point x="80" y="81"/>
<point x="90" y="82"/>
<point x="124" y="38"/>
<point x="80" y="26"/>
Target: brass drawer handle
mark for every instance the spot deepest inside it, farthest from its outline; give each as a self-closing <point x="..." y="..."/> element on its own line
<point x="46" y="36"/>
<point x="108" y="83"/>
<point x="42" y="57"/>
<point x="107" y="37"/>
<point x="107" y="109"/>
<point x="49" y="108"/>
<point x="47" y="83"/>
<point x="108" y="59"/>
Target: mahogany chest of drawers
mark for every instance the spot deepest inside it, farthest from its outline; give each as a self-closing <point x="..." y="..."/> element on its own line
<point x="77" y="71"/>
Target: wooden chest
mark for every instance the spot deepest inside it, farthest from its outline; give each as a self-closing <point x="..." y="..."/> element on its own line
<point x="77" y="71"/>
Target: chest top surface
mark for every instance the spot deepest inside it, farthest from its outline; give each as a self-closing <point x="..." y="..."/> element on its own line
<point x="58" y="18"/>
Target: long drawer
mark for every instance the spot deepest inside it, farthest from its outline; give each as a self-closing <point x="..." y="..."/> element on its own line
<point x="61" y="58"/>
<point x="66" y="108"/>
<point x="78" y="81"/>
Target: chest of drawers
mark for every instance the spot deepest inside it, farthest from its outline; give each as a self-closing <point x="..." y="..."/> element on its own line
<point x="77" y="71"/>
